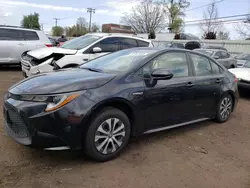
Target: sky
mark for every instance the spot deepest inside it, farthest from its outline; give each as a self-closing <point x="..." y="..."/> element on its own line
<point x="107" y="11"/>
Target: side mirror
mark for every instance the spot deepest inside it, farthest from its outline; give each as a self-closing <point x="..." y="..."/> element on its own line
<point x="162" y="74"/>
<point x="97" y="50"/>
<point x="216" y="57"/>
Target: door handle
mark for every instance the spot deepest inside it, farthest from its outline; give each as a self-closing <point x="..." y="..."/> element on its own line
<point x="189" y="84"/>
<point x="218" y="81"/>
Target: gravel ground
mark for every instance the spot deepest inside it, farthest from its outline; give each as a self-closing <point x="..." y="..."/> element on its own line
<point x="201" y="155"/>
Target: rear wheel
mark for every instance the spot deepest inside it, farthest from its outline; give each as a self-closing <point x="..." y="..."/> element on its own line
<point x="108" y="134"/>
<point x="224" y="108"/>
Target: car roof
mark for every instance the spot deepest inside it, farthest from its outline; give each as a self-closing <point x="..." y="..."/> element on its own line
<point x="210" y="49"/>
<point x="119" y="35"/>
<point x="18" y="28"/>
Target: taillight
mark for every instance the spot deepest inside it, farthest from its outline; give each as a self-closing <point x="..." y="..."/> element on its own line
<point x="236" y="79"/>
<point x="48" y="45"/>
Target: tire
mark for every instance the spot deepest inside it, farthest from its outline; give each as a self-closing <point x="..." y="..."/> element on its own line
<point x="100" y="146"/>
<point x="225" y="104"/>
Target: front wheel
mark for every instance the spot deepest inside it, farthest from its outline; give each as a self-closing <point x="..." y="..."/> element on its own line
<point x="224" y="108"/>
<point x="108" y="134"/>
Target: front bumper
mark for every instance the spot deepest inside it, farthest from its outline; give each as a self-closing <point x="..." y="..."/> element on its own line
<point x="29" y="69"/>
<point x="28" y="124"/>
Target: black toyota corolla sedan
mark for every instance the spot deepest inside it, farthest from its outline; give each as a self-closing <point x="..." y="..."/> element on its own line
<point x="98" y="106"/>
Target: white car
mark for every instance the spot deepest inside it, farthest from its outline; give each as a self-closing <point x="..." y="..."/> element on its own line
<point x="78" y="51"/>
<point x="243" y="75"/>
<point x="14" y="41"/>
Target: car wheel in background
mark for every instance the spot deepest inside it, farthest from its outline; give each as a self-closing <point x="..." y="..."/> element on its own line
<point x="107" y="135"/>
<point x="224" y="108"/>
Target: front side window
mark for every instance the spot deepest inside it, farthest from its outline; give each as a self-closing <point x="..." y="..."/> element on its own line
<point x="176" y="62"/>
<point x="224" y="55"/>
<point x="10" y="34"/>
<point x="80" y="42"/>
<point x="126" y="43"/>
<point x="202" y="65"/>
<point x="108" y="45"/>
<point x="142" y="43"/>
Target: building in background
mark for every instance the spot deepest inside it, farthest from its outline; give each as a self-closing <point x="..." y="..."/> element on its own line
<point x="116" y="28"/>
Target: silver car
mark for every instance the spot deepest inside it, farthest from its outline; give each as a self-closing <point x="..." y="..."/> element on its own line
<point x="242" y="60"/>
<point x="222" y="56"/>
<point x="14" y="41"/>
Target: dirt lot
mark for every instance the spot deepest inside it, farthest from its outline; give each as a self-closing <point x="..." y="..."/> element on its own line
<point x="202" y="155"/>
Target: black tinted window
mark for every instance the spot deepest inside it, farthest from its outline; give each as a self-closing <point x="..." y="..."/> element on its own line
<point x="201" y="65"/>
<point x="215" y="67"/>
<point x="108" y="44"/>
<point x="142" y="43"/>
<point x="126" y="43"/>
<point x="176" y="62"/>
<point x="30" y="35"/>
<point x="10" y="34"/>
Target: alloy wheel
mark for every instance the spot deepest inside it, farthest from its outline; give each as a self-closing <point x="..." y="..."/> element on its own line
<point x="225" y="108"/>
<point x="109" y="136"/>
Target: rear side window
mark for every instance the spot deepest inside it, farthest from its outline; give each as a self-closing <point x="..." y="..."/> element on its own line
<point x="142" y="43"/>
<point x="30" y="35"/>
<point x="10" y="34"/>
<point x="126" y="43"/>
<point x="201" y="65"/>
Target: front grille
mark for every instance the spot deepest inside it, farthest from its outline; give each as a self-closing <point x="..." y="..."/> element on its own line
<point x="15" y="122"/>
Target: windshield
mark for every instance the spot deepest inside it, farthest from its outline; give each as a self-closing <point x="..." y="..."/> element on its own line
<point x="206" y="52"/>
<point x="243" y="56"/>
<point x="120" y="61"/>
<point x="80" y="42"/>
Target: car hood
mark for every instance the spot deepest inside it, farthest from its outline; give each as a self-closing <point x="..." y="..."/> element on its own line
<point x="241" y="73"/>
<point x="44" y="52"/>
<point x="67" y="80"/>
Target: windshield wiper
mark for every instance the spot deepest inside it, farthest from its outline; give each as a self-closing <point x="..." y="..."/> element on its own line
<point x="91" y="69"/>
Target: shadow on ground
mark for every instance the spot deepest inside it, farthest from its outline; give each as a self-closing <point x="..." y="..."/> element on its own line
<point x="10" y="68"/>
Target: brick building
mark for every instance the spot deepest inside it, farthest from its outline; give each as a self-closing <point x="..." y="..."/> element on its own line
<point x="116" y="28"/>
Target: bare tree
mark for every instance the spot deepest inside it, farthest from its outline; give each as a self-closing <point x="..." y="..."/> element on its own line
<point x="243" y="29"/>
<point x="147" y="17"/>
<point x="210" y="23"/>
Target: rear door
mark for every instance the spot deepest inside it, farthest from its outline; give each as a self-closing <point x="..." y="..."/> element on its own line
<point x="11" y="45"/>
<point x="208" y="83"/>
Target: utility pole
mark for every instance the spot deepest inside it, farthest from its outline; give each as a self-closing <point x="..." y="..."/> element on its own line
<point x="56" y="19"/>
<point x="90" y="10"/>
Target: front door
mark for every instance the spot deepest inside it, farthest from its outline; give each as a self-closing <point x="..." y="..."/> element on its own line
<point x="208" y="83"/>
<point x="168" y="102"/>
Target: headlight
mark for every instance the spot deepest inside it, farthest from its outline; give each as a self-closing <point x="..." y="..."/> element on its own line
<point x="53" y="102"/>
<point x="59" y="101"/>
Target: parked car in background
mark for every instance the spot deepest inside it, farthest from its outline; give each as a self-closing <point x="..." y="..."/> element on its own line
<point x="221" y="56"/>
<point x="14" y="41"/>
<point x="102" y="103"/>
<point x="53" y="41"/>
<point x="78" y="51"/>
<point x="242" y="59"/>
<point x="243" y="75"/>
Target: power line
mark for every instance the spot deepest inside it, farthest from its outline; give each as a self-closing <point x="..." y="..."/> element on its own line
<point x="56" y="19"/>
<point x="195" y="8"/>
<point x="225" y="17"/>
<point x="90" y="10"/>
<point x="219" y="22"/>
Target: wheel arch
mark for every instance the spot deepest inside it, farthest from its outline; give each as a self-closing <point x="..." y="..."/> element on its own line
<point x="118" y="103"/>
<point x="231" y="93"/>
